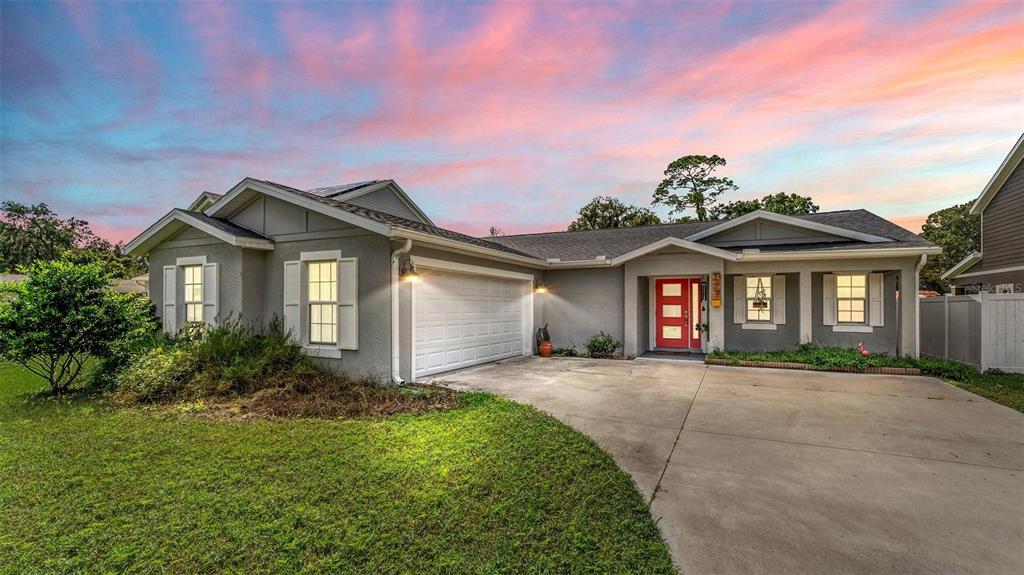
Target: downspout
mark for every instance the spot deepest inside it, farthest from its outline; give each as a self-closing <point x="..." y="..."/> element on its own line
<point x="917" y="304"/>
<point x="396" y="340"/>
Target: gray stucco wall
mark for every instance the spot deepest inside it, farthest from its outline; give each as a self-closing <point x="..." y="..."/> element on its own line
<point x="883" y="339"/>
<point x="643" y="317"/>
<point x="373" y="358"/>
<point x="230" y="283"/>
<point x="784" y="336"/>
<point x="580" y="303"/>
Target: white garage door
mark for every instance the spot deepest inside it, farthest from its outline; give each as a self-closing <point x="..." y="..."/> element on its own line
<point x="463" y="320"/>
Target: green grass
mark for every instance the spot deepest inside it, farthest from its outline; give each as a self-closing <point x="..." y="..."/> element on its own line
<point x="1004" y="388"/>
<point x="489" y="487"/>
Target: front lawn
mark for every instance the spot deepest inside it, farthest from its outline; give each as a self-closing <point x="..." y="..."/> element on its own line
<point x="488" y="487"/>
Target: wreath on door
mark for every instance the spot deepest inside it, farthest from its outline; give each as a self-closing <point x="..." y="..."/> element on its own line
<point x="760" y="296"/>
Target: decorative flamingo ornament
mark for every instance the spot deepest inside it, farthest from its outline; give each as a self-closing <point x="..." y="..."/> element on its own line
<point x="860" y="348"/>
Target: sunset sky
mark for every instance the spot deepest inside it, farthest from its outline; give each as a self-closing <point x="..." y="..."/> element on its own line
<point x="511" y="115"/>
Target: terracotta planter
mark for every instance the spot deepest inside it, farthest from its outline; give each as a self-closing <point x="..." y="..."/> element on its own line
<point x="544" y="349"/>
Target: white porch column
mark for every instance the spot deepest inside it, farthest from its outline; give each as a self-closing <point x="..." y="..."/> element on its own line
<point x="806" y="326"/>
<point x="908" y="309"/>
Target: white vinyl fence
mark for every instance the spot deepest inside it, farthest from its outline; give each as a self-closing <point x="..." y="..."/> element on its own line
<point x="985" y="330"/>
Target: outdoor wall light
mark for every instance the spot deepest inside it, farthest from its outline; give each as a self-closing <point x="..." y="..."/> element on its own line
<point x="539" y="287"/>
<point x="408" y="271"/>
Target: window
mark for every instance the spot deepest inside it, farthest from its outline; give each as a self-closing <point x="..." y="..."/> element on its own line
<point x="323" y="302"/>
<point x="193" y="293"/>
<point x="851" y="298"/>
<point x="759" y="298"/>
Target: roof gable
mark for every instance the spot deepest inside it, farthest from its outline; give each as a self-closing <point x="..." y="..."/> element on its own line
<point x="995" y="183"/>
<point x="380" y="195"/>
<point x="810" y="228"/>
<point x="178" y="220"/>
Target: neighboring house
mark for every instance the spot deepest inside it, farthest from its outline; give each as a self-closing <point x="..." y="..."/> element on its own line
<point x="999" y="266"/>
<point x="330" y="263"/>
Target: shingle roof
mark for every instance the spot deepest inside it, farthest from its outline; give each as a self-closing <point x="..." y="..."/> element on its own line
<point x="398" y="221"/>
<point x="226" y="226"/>
<point x="589" y="244"/>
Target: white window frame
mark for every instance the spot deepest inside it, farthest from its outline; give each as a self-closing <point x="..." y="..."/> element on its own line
<point x="188" y="301"/>
<point x="320" y="302"/>
<point x="864" y="299"/>
<point x="749" y="297"/>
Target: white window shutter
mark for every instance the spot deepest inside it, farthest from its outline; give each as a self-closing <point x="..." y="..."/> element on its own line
<point x="292" y="289"/>
<point x="739" y="299"/>
<point x="170" y="311"/>
<point x="779" y="299"/>
<point x="828" y="299"/>
<point x="876" y="294"/>
<point x="348" y="303"/>
<point x="211" y="293"/>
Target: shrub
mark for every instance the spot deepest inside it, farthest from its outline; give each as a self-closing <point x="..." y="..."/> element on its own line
<point x="63" y="316"/>
<point x="602" y="345"/>
<point x="229" y="359"/>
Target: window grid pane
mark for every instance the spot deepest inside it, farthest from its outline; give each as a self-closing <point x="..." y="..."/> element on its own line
<point x="851" y="298"/>
<point x="193" y="293"/>
<point x="323" y="297"/>
<point x="762" y="312"/>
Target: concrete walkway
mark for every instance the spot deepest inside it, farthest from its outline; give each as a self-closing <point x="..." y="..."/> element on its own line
<point x="778" y="471"/>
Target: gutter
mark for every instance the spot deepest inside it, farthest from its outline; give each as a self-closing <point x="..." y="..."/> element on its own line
<point x="396" y="340"/>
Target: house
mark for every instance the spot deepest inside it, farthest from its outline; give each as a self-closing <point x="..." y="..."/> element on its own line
<point x="999" y="266"/>
<point x="363" y="278"/>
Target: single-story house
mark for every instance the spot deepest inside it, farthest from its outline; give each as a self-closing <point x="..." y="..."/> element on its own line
<point x="363" y="278"/>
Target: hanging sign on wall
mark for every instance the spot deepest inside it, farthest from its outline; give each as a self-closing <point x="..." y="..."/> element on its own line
<point x="716" y="289"/>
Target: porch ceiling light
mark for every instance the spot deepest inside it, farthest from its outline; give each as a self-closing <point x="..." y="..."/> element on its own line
<point x="408" y="271"/>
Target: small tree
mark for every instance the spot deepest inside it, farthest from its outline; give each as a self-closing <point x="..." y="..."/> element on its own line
<point x="62" y="316"/>
<point x="692" y="176"/>
<point x="607" y="212"/>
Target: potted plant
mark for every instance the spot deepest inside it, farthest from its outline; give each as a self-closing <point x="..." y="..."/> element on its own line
<point x="544" y="341"/>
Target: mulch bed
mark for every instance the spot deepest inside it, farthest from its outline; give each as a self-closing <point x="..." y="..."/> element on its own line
<point x="809" y="367"/>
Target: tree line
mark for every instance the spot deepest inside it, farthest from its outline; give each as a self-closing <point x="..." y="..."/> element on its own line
<point x="32" y="233"/>
<point x="691" y="183"/>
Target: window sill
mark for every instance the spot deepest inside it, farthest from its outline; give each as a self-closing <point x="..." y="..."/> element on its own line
<point x="761" y="326"/>
<point x="317" y="350"/>
<point x="853" y="329"/>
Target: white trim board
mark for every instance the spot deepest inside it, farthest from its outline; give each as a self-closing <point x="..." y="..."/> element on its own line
<point x="788" y="220"/>
<point x="140" y="242"/>
<point x="670" y="242"/>
<point x="445" y="265"/>
<point x="990" y="272"/>
<point x="995" y="183"/>
<point x="961" y="265"/>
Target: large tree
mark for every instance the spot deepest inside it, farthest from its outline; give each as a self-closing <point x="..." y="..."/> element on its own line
<point x="958" y="234"/>
<point x="780" y="203"/>
<point x="31" y="233"/>
<point x="690" y="183"/>
<point x="607" y="212"/>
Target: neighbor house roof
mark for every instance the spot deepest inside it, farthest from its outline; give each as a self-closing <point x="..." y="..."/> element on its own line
<point x="611" y="243"/>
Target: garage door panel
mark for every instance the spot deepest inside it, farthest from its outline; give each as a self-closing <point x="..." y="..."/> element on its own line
<point x="464" y="320"/>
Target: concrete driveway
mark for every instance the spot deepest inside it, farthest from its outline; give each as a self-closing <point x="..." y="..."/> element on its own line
<point x="778" y="471"/>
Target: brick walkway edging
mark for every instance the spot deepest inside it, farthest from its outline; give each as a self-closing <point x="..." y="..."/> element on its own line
<point x="809" y="367"/>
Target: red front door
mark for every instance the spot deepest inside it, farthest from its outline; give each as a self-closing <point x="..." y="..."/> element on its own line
<point x="677" y="313"/>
